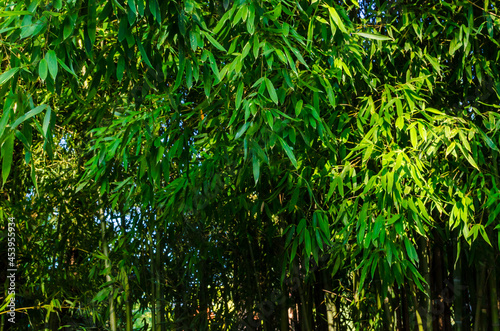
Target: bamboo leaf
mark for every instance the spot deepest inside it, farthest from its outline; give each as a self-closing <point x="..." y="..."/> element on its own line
<point x="214" y="42"/>
<point x="271" y="90"/>
<point x="239" y="95"/>
<point x="256" y="168"/>
<point x="373" y="36"/>
<point x="42" y="69"/>
<point x="46" y="122"/>
<point x="413" y="137"/>
<point x="289" y="152"/>
<point x="8" y="13"/>
<point x="31" y="113"/>
<point x="144" y="55"/>
<point x="7" y="156"/>
<point x="51" y="59"/>
<point x="336" y="18"/>
<point x="8" y="75"/>
<point x="242" y="130"/>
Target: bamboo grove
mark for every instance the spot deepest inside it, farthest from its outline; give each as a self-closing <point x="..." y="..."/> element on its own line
<point x="251" y="164"/>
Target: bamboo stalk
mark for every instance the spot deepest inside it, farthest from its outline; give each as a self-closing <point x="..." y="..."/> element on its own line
<point x="153" y="287"/>
<point x="107" y="265"/>
<point x="492" y="284"/>
<point x="457" y="287"/>
<point x="480" y="293"/>
<point x="493" y="275"/>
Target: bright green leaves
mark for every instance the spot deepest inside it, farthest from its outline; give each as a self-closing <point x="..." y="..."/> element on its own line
<point x="10" y="13"/>
<point x="51" y="60"/>
<point x="413" y="137"/>
<point x="335" y="20"/>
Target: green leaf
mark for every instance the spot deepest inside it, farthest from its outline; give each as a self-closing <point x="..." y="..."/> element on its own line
<point x="336" y="18"/>
<point x="410" y="250"/>
<point x="450" y="148"/>
<point x="372" y="36"/>
<point x="323" y="225"/>
<point x="214" y="42"/>
<point x="413" y="137"/>
<point x="144" y="55"/>
<point x="7" y="155"/>
<point x="242" y="130"/>
<point x="120" y="68"/>
<point x="131" y="5"/>
<point x="289" y="152"/>
<point x="256" y="168"/>
<point x="5" y="119"/>
<point x="31" y="113"/>
<point x="489" y="142"/>
<point x="213" y="66"/>
<point x="51" y="59"/>
<point x="8" y="13"/>
<point x="46" y="122"/>
<point x="307" y="242"/>
<point x="484" y="235"/>
<point x="298" y="107"/>
<point x="65" y="67"/>
<point x="239" y="95"/>
<point x="42" y="69"/>
<point x="271" y="90"/>
<point x="8" y="75"/>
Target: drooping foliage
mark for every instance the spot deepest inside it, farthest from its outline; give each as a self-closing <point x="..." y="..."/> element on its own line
<point x="252" y="164"/>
